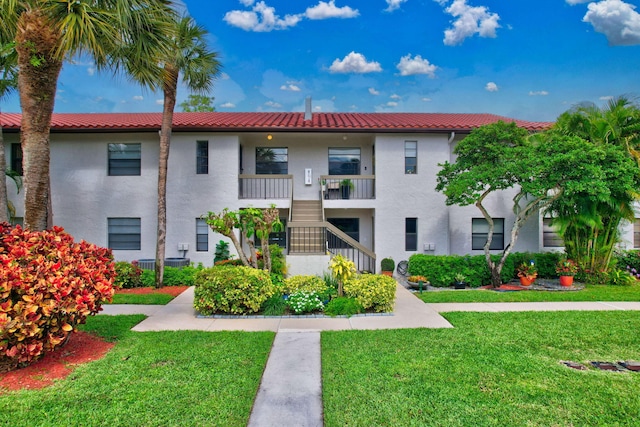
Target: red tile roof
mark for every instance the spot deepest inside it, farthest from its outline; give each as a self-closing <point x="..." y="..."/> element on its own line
<point x="272" y="122"/>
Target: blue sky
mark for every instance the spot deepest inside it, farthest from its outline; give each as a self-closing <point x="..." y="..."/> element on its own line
<point x="529" y="60"/>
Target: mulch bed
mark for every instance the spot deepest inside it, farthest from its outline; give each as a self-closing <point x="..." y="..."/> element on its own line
<point x="81" y="348"/>
<point x="170" y="290"/>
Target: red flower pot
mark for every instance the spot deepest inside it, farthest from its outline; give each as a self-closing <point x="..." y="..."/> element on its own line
<point x="566" y="280"/>
<point x="527" y="280"/>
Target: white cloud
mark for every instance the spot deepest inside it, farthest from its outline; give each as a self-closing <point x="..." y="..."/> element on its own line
<point x="539" y="93"/>
<point x="573" y="2"/>
<point x="247" y="2"/>
<point x="261" y="18"/>
<point x="395" y="96"/>
<point x="393" y="5"/>
<point x="354" y="63"/>
<point x="228" y="105"/>
<point x="272" y="104"/>
<point x="159" y="101"/>
<point x="91" y="71"/>
<point x="469" y="21"/>
<point x="617" y="20"/>
<point x="324" y="10"/>
<point x="138" y="98"/>
<point x="392" y="104"/>
<point x="291" y="87"/>
<point x="373" y="91"/>
<point x="491" y="87"/>
<point x="606" y="98"/>
<point x="426" y="99"/>
<point x="417" y="65"/>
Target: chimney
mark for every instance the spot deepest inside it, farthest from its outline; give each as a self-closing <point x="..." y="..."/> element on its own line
<point x="307" y="108"/>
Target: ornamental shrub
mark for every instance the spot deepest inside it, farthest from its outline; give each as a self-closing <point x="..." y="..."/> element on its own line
<point x="343" y="306"/>
<point x="128" y="275"/>
<point x="48" y="285"/>
<point x="231" y="290"/>
<point x="373" y="291"/>
<point x="305" y="302"/>
<point x="304" y="283"/>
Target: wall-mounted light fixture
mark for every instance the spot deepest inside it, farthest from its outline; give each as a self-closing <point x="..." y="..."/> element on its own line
<point x="269" y="137"/>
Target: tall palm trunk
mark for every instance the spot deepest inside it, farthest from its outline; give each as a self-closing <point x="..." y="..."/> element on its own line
<point x="36" y="43"/>
<point x="170" y="89"/>
<point x="4" y="200"/>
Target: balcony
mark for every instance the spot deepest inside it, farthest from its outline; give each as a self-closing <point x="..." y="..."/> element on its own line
<point x="268" y="187"/>
<point x="355" y="187"/>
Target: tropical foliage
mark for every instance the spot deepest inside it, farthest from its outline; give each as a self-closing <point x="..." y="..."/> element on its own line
<point x="590" y="222"/>
<point x="49" y="285"/>
<point x="544" y="170"/>
<point x="128" y="36"/>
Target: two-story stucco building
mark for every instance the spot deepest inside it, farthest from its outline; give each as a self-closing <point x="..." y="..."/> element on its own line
<point x="362" y="184"/>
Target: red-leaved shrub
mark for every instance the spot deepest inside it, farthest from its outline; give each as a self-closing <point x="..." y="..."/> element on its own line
<point x="48" y="285"/>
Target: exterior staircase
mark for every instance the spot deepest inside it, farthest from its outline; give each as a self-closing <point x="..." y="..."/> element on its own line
<point x="309" y="237"/>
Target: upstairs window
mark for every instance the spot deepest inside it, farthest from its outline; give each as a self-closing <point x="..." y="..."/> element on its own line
<point x="480" y="232"/>
<point x="272" y="161"/>
<point x="411" y="157"/>
<point x="124" y="159"/>
<point x="636" y="233"/>
<point x="344" y="161"/>
<point x="202" y="157"/>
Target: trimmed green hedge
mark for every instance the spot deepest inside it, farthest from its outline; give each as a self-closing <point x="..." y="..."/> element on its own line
<point x="233" y="290"/>
<point x="441" y="269"/>
<point x="372" y="291"/>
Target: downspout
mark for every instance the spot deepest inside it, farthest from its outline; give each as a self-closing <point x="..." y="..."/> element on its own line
<point x="449" y="141"/>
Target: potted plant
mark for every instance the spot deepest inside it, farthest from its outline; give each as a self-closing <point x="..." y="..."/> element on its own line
<point x="346" y="186"/>
<point x="527" y="273"/>
<point x="387" y="265"/>
<point x="459" y="282"/>
<point x="566" y="269"/>
<point x="414" y="281"/>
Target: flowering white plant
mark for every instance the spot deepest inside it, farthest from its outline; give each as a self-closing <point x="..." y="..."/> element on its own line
<point x="305" y="302"/>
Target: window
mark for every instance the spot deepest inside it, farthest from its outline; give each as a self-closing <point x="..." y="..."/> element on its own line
<point x="202" y="157"/>
<point x="124" y="159"/>
<point x="16" y="158"/>
<point x="272" y="161"/>
<point x="550" y="236"/>
<point x="349" y="226"/>
<point x="124" y="233"/>
<point x="202" y="235"/>
<point x="411" y="234"/>
<point x="344" y="161"/>
<point x="480" y="231"/>
<point x="636" y="233"/>
<point x="411" y="157"/>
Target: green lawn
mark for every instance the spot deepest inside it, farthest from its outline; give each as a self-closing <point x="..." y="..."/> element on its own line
<point x="153" y="299"/>
<point x="498" y="369"/>
<point x="181" y="379"/>
<point x="590" y="293"/>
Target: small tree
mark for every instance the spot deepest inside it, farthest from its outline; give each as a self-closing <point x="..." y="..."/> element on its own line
<point x="542" y="167"/>
<point x="249" y="222"/>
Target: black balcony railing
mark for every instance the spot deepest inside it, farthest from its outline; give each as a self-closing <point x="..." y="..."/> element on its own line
<point x="265" y="186"/>
<point x="358" y="187"/>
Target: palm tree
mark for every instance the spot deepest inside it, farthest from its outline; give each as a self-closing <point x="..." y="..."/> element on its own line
<point x="116" y="34"/>
<point x="188" y="55"/>
<point x="590" y="227"/>
<point x="8" y="83"/>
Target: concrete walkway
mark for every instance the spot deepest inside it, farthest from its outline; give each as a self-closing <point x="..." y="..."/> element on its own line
<point x="179" y="314"/>
<point x="290" y="392"/>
